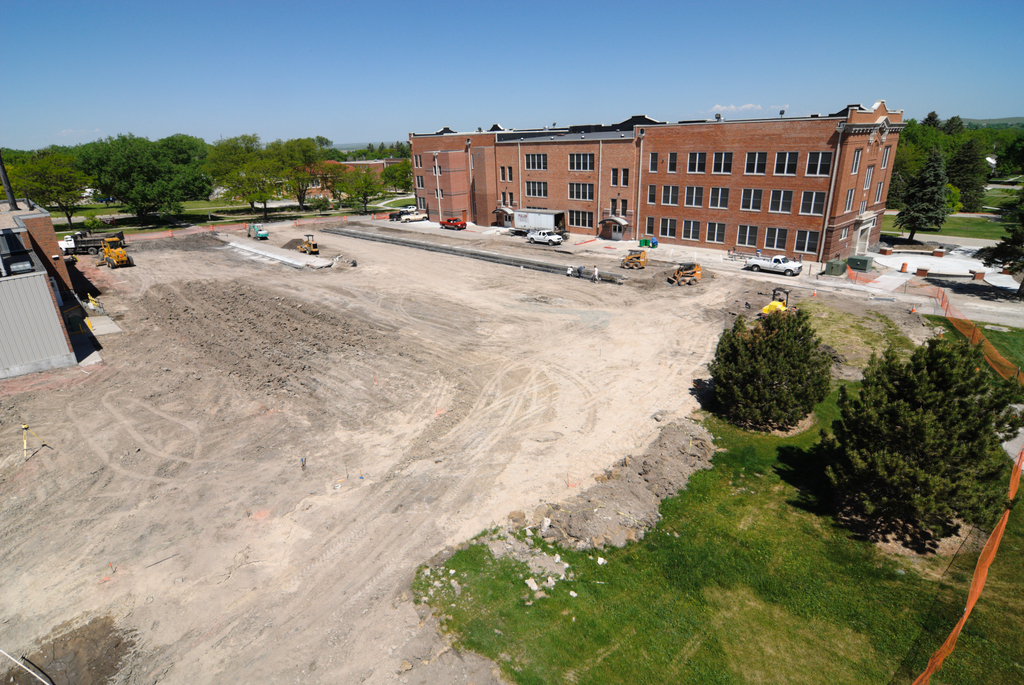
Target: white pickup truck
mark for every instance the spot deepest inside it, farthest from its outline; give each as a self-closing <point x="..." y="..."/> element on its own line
<point x="778" y="264"/>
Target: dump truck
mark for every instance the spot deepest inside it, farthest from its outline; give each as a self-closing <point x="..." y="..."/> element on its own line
<point x="687" y="273"/>
<point x="86" y="242"/>
<point x="114" y="255"/>
<point x="309" y="245"/>
<point x="257" y="231"/>
<point x="636" y="259"/>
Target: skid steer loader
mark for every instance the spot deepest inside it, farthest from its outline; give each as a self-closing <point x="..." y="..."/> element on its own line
<point x="636" y="259"/>
<point x="687" y="273"/>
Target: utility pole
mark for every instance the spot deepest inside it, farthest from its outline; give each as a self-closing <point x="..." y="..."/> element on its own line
<point x="7" y="185"/>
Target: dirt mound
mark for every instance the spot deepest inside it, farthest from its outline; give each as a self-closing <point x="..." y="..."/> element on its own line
<point x="187" y="243"/>
<point x="267" y="344"/>
<point x="90" y="654"/>
<point x="292" y="244"/>
<point x="624" y="502"/>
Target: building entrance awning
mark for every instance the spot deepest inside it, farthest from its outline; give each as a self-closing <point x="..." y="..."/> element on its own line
<point x="503" y="210"/>
<point x="615" y="220"/>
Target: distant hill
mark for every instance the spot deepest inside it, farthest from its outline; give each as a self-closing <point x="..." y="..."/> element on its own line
<point x="1007" y="121"/>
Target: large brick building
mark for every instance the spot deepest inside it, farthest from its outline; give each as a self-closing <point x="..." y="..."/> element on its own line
<point x="812" y="186"/>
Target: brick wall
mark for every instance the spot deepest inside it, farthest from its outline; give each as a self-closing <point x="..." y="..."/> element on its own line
<point x="44" y="242"/>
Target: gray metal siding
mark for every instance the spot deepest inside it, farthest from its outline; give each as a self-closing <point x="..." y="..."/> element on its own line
<point x="31" y="336"/>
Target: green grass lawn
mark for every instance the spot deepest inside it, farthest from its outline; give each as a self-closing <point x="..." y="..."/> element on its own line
<point x="1010" y="343"/>
<point x="955" y="226"/>
<point x="747" y="579"/>
<point x="1000" y="197"/>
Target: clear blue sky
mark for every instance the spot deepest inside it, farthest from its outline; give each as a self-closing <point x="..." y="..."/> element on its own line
<point x="374" y="71"/>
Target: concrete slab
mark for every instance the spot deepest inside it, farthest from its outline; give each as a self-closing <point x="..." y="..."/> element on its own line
<point x="103" y="325"/>
<point x="1001" y="280"/>
<point x="950" y="265"/>
<point x="294" y="259"/>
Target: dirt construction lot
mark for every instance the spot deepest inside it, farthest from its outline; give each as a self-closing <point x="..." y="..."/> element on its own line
<point x="243" y="489"/>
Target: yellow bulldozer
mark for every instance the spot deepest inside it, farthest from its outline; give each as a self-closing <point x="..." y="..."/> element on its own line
<point x="636" y="259"/>
<point x="687" y="273"/>
<point x="779" y="303"/>
<point x="309" y="246"/>
<point x="114" y="255"/>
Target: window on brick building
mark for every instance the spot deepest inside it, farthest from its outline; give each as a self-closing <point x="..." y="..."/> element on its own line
<point x="670" y="195"/>
<point x="536" y="189"/>
<point x="698" y="160"/>
<point x="652" y="194"/>
<point x="856" y="162"/>
<point x="691" y="230"/>
<point x="650" y="225"/>
<point x="503" y="174"/>
<point x="756" y="162"/>
<point x="719" y="198"/>
<point x="751" y="199"/>
<point x="615" y="177"/>
<point x="654" y="162"/>
<point x="806" y="241"/>
<point x="785" y="163"/>
<point x="536" y="162"/>
<point x="867" y="177"/>
<point x="878" y="193"/>
<point x="849" y="200"/>
<point x="511" y="200"/>
<point x="747" y="236"/>
<point x="615" y="207"/>
<point x="625" y="177"/>
<point x="813" y="203"/>
<point x="503" y="197"/>
<point x="722" y="163"/>
<point x="419" y="181"/>
<point x="668" y="228"/>
<point x="581" y="218"/>
<point x="782" y="201"/>
<point x="775" y="238"/>
<point x="885" y="156"/>
<point x="716" y="233"/>
<point x="509" y="174"/>
<point x="623" y="208"/>
<point x="419" y="161"/>
<point x="671" y="162"/>
<point x="863" y="206"/>
<point x="421" y="203"/>
<point x="581" y="161"/>
<point x="845" y="233"/>
<point x="581" y="191"/>
<point x="818" y="163"/>
<point x="694" y="196"/>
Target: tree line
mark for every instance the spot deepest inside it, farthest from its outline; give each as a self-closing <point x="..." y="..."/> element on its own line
<point x="158" y="177"/>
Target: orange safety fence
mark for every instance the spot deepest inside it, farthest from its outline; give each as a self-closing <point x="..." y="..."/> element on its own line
<point x="997" y="361"/>
<point x="988" y="555"/>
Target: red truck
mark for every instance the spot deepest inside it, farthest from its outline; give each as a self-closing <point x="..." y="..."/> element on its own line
<point x="457" y="224"/>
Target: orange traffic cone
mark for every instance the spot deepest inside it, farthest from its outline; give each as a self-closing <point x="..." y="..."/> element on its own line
<point x="903" y="269"/>
<point x="913" y="310"/>
<point x="815" y="293"/>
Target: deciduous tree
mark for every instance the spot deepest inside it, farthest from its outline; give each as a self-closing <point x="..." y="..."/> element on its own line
<point x="362" y="186"/>
<point x="924" y="201"/>
<point x="398" y="176"/>
<point x="296" y="159"/>
<point x="52" y="179"/>
<point x="772" y="374"/>
<point x="920" y="442"/>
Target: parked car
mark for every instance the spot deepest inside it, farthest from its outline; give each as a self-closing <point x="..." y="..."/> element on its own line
<point x="544" y="236"/>
<point x="457" y="224"/>
<point x="406" y="218"/>
<point x="395" y="216"/>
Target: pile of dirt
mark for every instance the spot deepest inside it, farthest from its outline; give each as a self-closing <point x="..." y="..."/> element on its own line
<point x="292" y="244"/>
<point x="624" y="502"/>
<point x="194" y="242"/>
<point x="90" y="654"/>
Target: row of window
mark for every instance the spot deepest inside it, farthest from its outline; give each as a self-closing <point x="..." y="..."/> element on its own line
<point x="746" y="236"/>
<point x="812" y="202"/>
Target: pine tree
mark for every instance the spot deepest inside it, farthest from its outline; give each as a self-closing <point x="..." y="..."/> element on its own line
<point x="932" y="120"/>
<point x="968" y="171"/>
<point x="953" y="126"/>
<point x="1009" y="252"/>
<point x="920" y="443"/>
<point x="772" y="374"/>
<point x="925" y="198"/>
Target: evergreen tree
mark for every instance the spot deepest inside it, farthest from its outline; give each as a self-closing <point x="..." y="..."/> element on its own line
<point x="920" y="443"/>
<point x="772" y="374"/>
<point x="924" y="200"/>
<point x="932" y="120"/>
<point x="968" y="171"/>
<point x="1009" y="252"/>
<point x="953" y="126"/>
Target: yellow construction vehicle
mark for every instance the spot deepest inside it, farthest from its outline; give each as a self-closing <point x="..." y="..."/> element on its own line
<point x="114" y="255"/>
<point x="309" y="246"/>
<point x="636" y="259"/>
<point x="687" y="273"/>
<point x="779" y="303"/>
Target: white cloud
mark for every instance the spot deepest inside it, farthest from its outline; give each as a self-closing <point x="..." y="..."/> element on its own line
<point x="734" y="108"/>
